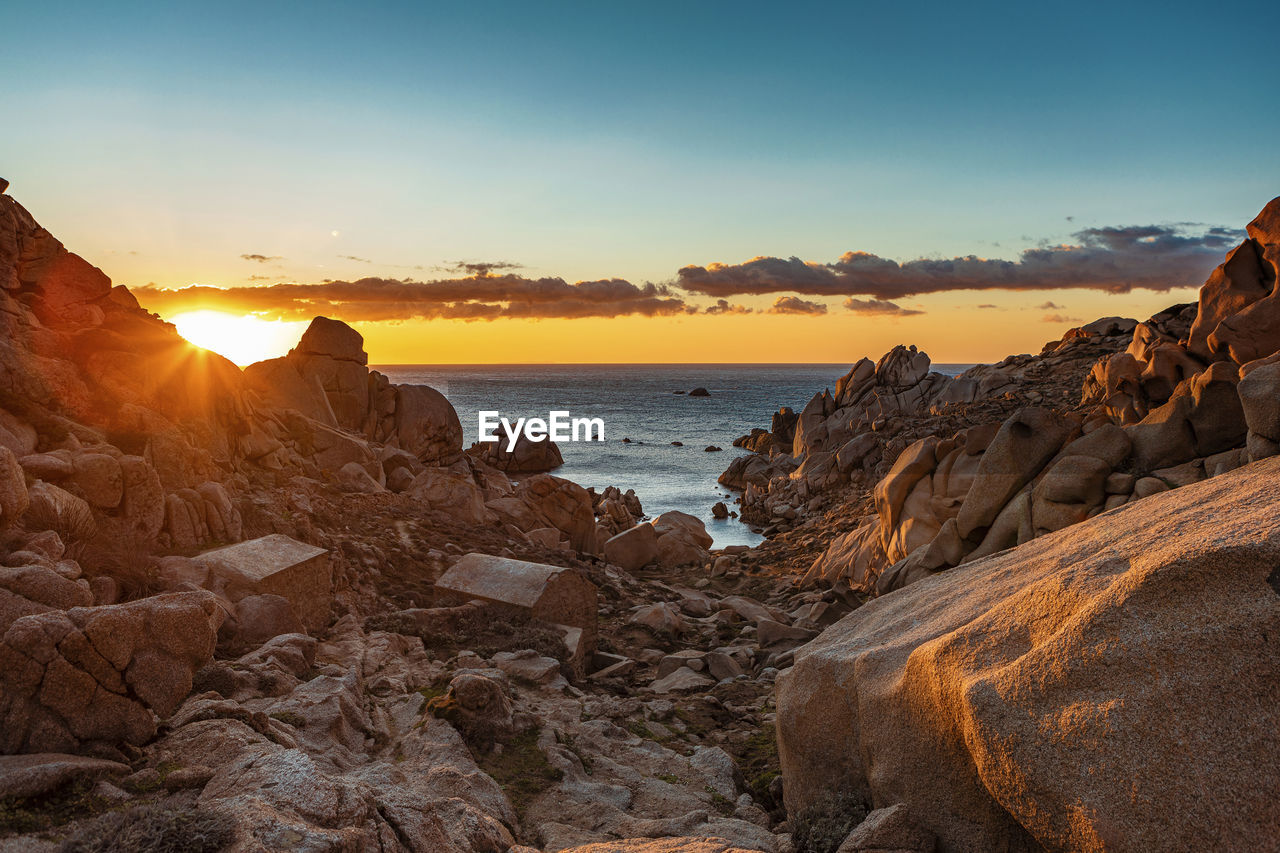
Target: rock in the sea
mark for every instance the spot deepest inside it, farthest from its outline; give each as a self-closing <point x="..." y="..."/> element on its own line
<point x="1077" y="692"/>
<point x="527" y="457"/>
<point x="699" y="392"/>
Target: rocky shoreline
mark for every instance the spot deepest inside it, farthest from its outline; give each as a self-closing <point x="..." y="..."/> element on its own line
<point x="281" y="608"/>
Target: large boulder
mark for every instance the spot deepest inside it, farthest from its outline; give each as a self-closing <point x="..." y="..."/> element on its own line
<point x="1259" y="392"/>
<point x="441" y="489"/>
<point x="1074" y="693"/>
<point x="332" y="354"/>
<point x="101" y="675"/>
<point x="564" y="505"/>
<point x="427" y="425"/>
<point x="99" y="478"/>
<point x="682" y="539"/>
<point x="52" y="508"/>
<point x="278" y="381"/>
<point x="1239" y="310"/>
<point x="332" y="339"/>
<point x="631" y="549"/>
<point x="1025" y="442"/>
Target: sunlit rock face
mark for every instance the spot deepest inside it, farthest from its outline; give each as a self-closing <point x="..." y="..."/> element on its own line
<point x="107" y="403"/>
<point x="1075" y="692"/>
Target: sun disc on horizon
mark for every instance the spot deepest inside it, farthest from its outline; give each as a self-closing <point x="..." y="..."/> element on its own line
<point x="242" y="338"/>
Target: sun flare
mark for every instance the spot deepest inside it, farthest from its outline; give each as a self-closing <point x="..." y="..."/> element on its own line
<point x="242" y="338"/>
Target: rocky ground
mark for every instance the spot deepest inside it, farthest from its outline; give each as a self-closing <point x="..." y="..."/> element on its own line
<point x="282" y="609"/>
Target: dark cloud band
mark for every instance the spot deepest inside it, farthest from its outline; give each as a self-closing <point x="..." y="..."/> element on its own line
<point x="480" y="297"/>
<point x="1116" y="260"/>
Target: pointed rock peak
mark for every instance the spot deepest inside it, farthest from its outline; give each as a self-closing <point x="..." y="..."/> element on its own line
<point x="334" y="339"/>
<point x="902" y="367"/>
<point x="1266" y="227"/>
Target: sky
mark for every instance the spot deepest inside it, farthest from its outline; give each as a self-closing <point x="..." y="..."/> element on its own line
<point x="971" y="178"/>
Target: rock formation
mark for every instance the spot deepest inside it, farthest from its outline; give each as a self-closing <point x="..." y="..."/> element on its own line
<point x="1075" y="693"/>
<point x="1164" y="411"/>
<point x="527" y="457"/>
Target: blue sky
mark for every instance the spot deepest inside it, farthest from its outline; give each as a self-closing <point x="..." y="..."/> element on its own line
<point x="593" y="140"/>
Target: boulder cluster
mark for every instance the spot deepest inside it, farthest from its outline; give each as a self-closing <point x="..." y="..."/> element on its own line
<point x="197" y="564"/>
<point x="1170" y="405"/>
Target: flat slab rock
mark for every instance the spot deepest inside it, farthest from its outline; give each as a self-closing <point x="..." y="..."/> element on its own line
<point x="42" y="772"/>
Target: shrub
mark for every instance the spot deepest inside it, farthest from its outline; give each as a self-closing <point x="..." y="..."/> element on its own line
<point x="521" y="769"/>
<point x="823" y="826"/>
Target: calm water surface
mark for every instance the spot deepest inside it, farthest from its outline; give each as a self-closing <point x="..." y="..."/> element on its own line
<point x="637" y="402"/>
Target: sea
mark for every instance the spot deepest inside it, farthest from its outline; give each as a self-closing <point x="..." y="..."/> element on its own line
<point x="641" y="402"/>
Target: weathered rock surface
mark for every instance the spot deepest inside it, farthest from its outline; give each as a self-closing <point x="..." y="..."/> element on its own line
<point x="1075" y="692"/>
<point x="101" y="674"/>
<point x="46" y="772"/>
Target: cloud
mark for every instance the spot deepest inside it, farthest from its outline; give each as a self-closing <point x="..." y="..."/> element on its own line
<point x="878" y="306"/>
<point x="1116" y="260"/>
<point x="354" y="258"/>
<point x="1058" y="318"/>
<point x="481" y="269"/>
<point x="796" y="305"/>
<point x="1050" y="306"/>
<point x="987" y="305"/>
<point x="262" y="259"/>
<point x="722" y="306"/>
<point x="486" y="297"/>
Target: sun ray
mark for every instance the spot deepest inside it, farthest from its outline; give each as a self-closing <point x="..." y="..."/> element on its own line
<point x="242" y="338"/>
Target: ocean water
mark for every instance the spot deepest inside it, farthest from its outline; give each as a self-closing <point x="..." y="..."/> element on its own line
<point x="637" y="401"/>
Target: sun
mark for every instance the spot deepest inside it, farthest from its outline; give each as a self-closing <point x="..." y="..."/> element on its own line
<point x="242" y="338"/>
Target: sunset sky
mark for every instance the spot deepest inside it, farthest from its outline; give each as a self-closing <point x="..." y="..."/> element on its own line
<point x="458" y="170"/>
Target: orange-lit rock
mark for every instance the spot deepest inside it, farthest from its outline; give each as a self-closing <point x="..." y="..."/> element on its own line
<point x="1076" y="692"/>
